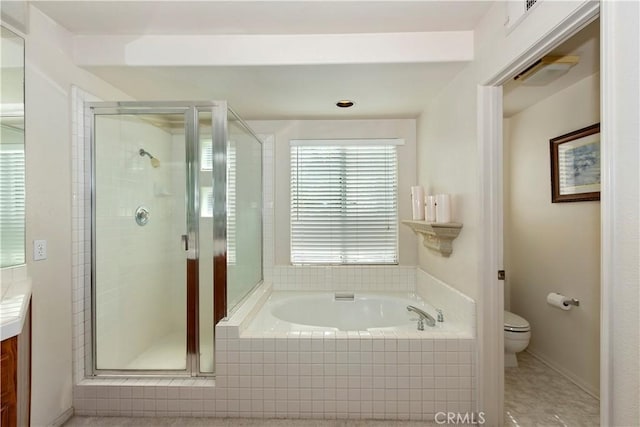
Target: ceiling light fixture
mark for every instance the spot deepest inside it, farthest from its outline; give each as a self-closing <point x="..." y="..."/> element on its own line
<point x="344" y="103"/>
<point x="546" y="70"/>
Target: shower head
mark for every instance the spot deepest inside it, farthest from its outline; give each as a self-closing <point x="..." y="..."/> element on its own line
<point x="154" y="162"/>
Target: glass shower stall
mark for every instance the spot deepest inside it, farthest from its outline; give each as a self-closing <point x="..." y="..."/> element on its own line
<point x="176" y="232"/>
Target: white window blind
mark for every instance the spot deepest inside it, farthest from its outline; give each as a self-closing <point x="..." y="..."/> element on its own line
<point x="344" y="206"/>
<point x="12" y="204"/>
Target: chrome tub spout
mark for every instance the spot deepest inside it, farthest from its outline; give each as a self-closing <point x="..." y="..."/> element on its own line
<point x="424" y="317"/>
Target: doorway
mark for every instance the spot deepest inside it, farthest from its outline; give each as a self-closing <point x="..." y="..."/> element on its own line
<point x="552" y="247"/>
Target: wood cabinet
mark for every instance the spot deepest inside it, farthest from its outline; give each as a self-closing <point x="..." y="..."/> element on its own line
<point x="9" y="369"/>
<point x="15" y="373"/>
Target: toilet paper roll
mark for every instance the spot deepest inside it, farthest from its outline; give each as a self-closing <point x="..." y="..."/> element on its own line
<point x="430" y="209"/>
<point x="559" y="301"/>
<point x="443" y="208"/>
<point x="417" y="203"/>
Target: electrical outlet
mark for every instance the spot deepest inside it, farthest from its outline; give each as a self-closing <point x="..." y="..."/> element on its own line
<point x="39" y="250"/>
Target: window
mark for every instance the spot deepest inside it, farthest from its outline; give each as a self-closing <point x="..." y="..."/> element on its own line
<point x="344" y="206"/>
<point x="12" y="204"/>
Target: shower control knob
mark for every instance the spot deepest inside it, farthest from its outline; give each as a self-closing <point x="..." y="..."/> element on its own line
<point x="142" y="216"/>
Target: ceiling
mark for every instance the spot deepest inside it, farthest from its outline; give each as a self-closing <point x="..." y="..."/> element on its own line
<point x="278" y="92"/>
<point x="285" y="92"/>
<point x="302" y="92"/>
<point x="263" y="17"/>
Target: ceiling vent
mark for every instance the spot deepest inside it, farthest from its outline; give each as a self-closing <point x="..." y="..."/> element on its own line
<point x="528" y="4"/>
<point x="547" y="69"/>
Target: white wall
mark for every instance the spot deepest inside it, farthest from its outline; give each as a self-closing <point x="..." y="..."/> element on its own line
<point x="447" y="133"/>
<point x="286" y="130"/>
<point x="496" y="51"/>
<point x="450" y="154"/>
<point x="49" y="75"/>
<point x="446" y="164"/>
<point x="553" y="247"/>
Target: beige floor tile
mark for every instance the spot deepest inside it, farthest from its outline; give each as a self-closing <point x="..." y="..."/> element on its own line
<point x="535" y="395"/>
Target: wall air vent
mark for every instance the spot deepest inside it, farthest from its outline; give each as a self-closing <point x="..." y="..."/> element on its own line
<point x="517" y="11"/>
<point x="529" y="4"/>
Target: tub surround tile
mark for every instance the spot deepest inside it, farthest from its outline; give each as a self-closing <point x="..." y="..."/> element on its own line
<point x="390" y="375"/>
<point x="344" y="278"/>
<point x="341" y="375"/>
<point x="456" y="306"/>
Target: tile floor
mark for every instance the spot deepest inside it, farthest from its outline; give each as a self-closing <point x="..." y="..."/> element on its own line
<point x="534" y="396"/>
<point x="233" y="422"/>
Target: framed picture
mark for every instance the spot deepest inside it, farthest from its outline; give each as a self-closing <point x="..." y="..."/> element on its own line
<point x="575" y="165"/>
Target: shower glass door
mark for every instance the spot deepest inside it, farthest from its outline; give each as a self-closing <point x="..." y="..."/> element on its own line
<point x="145" y="254"/>
<point x="176" y="233"/>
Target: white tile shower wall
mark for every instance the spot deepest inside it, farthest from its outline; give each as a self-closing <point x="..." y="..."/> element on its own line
<point x="457" y="308"/>
<point x="337" y="278"/>
<point x="134" y="264"/>
<point x="81" y="239"/>
<point x="81" y="211"/>
<point x="81" y="233"/>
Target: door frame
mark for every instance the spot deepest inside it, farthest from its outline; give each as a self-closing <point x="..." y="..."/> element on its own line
<point x="192" y="166"/>
<point x="490" y="317"/>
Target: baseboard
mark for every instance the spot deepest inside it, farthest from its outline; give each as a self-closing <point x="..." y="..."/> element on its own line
<point x="568" y="375"/>
<point x="63" y="418"/>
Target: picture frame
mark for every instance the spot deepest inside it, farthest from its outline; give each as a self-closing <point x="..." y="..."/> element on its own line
<point x="575" y="165"/>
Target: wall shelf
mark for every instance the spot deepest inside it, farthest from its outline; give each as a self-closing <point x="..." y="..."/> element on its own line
<point x="436" y="236"/>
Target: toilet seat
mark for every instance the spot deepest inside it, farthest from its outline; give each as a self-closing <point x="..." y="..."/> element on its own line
<point x="515" y="323"/>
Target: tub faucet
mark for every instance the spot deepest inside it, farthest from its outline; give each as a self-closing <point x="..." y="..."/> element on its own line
<point x="424" y="317"/>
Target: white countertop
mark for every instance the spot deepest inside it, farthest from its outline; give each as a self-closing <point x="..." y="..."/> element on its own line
<point x="13" y="307"/>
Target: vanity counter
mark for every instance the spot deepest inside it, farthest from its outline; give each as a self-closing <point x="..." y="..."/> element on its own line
<point x="13" y="307"/>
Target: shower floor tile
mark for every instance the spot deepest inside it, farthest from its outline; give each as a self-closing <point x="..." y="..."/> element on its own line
<point x="535" y="395"/>
<point x="168" y="352"/>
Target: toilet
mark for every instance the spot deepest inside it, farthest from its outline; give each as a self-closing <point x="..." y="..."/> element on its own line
<point x="517" y="333"/>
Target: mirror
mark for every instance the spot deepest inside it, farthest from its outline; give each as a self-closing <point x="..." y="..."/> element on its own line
<point x="12" y="161"/>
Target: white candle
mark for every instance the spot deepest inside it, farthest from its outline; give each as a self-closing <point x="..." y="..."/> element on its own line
<point x="443" y="208"/>
<point x="431" y="209"/>
<point x="417" y="202"/>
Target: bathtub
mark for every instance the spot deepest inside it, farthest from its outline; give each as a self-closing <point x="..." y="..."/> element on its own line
<point x="374" y="312"/>
<point x="304" y="354"/>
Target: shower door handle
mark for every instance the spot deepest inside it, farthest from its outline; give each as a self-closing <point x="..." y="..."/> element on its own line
<point x="185" y="241"/>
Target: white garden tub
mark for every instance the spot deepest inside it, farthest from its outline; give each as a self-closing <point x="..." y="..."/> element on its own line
<point x="289" y="311"/>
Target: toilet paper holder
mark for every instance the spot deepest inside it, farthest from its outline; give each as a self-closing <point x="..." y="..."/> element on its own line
<point x="572" y="301"/>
